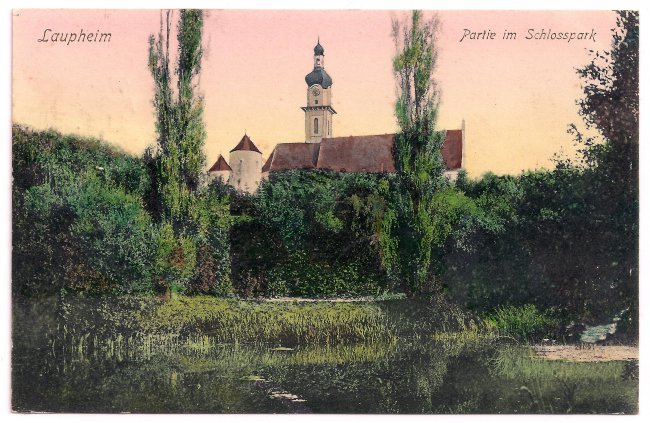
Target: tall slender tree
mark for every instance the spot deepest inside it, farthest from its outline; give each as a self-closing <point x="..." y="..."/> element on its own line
<point x="178" y="158"/>
<point x="416" y="153"/>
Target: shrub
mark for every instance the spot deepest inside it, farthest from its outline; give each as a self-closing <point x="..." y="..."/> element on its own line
<point x="310" y="233"/>
<point x="523" y="323"/>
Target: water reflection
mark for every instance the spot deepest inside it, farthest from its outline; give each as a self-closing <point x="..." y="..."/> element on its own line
<point x="198" y="374"/>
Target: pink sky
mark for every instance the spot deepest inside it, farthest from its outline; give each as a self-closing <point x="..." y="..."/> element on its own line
<point x="517" y="97"/>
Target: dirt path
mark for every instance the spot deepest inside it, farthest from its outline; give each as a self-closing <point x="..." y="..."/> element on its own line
<point x="587" y="352"/>
<point x="330" y="300"/>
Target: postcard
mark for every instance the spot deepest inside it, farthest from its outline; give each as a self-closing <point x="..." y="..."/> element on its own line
<point x="325" y="211"/>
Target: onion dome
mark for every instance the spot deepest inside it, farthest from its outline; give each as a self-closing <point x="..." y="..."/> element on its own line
<point x="318" y="50"/>
<point x="320" y="77"/>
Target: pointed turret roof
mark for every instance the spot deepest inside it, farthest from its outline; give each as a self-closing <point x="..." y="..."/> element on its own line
<point x="220" y="164"/>
<point x="246" y="144"/>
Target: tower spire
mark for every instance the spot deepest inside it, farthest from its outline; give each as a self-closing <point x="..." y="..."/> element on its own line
<point x="318" y="49"/>
<point x="319" y="111"/>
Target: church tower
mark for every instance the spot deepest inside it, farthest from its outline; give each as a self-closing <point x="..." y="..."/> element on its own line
<point x="319" y="111"/>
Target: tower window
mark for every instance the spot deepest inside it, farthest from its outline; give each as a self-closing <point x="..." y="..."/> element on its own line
<point x="315" y="125"/>
<point x="316" y="101"/>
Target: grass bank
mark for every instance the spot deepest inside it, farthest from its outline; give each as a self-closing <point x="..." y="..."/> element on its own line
<point x="282" y="322"/>
<point x="233" y="320"/>
<point x="225" y="320"/>
<point x="245" y="321"/>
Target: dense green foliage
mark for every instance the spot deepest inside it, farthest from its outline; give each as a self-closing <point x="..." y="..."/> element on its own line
<point x="90" y="218"/>
<point x="310" y="234"/>
<point x="570" y="237"/>
<point x="315" y="233"/>
<point x="80" y="223"/>
<point x="555" y="249"/>
<point x="78" y="216"/>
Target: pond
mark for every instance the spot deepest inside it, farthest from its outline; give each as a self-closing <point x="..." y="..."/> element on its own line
<point x="197" y="374"/>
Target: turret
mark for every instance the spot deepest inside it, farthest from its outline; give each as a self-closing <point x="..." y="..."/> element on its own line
<point x="246" y="164"/>
<point x="220" y="169"/>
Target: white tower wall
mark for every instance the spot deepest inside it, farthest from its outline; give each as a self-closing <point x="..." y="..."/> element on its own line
<point x="246" y="170"/>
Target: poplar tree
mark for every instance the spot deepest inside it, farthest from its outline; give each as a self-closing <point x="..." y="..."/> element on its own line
<point x="178" y="158"/>
<point x="416" y="151"/>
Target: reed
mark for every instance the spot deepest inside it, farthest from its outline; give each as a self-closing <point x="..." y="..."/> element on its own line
<point x="265" y="322"/>
<point x="229" y="320"/>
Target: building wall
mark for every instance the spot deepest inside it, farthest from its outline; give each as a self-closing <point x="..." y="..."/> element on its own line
<point x="324" y="99"/>
<point x="224" y="175"/>
<point x="246" y="170"/>
<point x="325" y="129"/>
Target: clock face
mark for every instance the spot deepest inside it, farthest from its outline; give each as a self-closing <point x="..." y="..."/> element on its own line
<point x="315" y="92"/>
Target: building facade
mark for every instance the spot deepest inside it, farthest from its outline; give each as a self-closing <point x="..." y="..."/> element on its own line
<point x="321" y="150"/>
<point x="319" y="111"/>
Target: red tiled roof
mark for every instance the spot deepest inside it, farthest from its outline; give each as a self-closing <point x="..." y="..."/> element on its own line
<point x="367" y="153"/>
<point x="267" y="164"/>
<point x="293" y="156"/>
<point x="246" y="144"/>
<point x="219" y="165"/>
